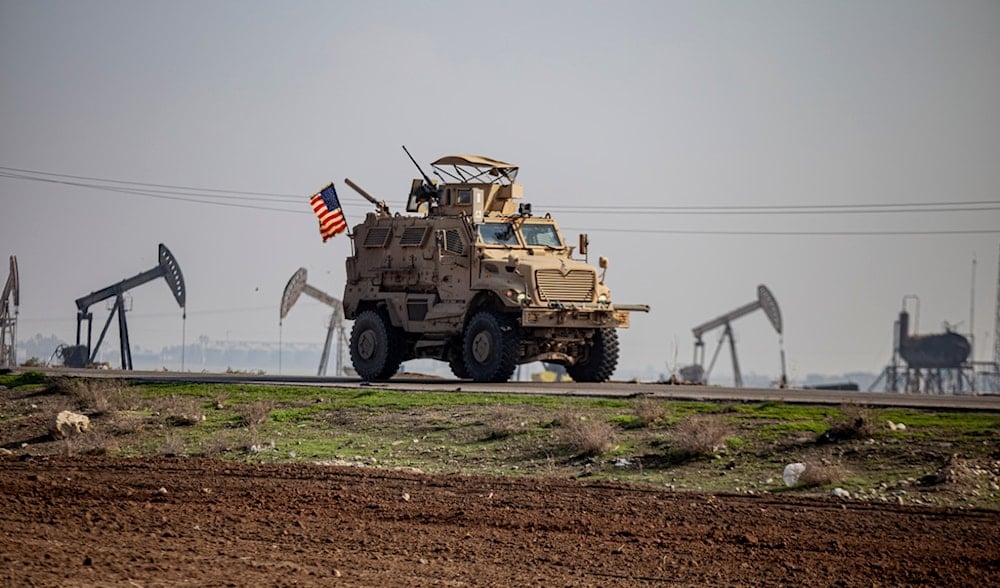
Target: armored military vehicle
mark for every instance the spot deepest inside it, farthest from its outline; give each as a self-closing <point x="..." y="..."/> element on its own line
<point x="473" y="278"/>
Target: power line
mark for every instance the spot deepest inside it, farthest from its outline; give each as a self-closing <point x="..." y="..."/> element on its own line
<point x="238" y="199"/>
<point x="174" y="314"/>
<point x="769" y="210"/>
<point x="243" y="195"/>
<point x="787" y="233"/>
<point x="767" y="207"/>
<point x="131" y="183"/>
<point x="177" y="196"/>
<point x="178" y="193"/>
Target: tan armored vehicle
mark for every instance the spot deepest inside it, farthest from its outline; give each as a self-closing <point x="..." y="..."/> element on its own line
<point x="473" y="278"/>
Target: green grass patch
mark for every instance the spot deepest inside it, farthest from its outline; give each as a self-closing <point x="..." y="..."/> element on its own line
<point x="787" y="412"/>
<point x="295" y="415"/>
<point x="686" y="408"/>
<point x="29" y="378"/>
<point x="735" y="443"/>
<point x="775" y="431"/>
<point x="338" y="398"/>
<point x="965" y="423"/>
<point x="520" y="434"/>
<point x="626" y="421"/>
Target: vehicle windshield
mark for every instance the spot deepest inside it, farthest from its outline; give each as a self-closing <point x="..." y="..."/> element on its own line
<point x="540" y="235"/>
<point x="498" y="234"/>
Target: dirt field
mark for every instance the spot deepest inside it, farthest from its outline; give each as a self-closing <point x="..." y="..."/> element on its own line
<point x="201" y="522"/>
<point x="113" y="507"/>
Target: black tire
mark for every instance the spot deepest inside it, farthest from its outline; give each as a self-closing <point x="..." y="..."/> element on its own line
<point x="456" y="361"/>
<point x="489" y="347"/>
<point x="602" y="360"/>
<point x="376" y="346"/>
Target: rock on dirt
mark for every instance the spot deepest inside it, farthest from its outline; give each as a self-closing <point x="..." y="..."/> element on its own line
<point x="792" y="473"/>
<point x="68" y="424"/>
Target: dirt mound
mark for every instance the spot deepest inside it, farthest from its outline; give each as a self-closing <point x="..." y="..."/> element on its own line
<point x="202" y="522"/>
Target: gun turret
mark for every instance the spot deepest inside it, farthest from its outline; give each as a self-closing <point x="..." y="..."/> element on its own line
<point x="424" y="192"/>
<point x="380" y="205"/>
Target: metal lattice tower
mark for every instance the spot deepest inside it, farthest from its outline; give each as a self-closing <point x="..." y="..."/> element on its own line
<point x="996" y="336"/>
<point x="9" y="302"/>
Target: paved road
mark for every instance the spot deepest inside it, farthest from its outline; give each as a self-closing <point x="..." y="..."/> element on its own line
<point x="606" y="389"/>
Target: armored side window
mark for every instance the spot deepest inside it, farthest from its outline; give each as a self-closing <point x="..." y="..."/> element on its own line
<point x="413" y="236"/>
<point x="453" y="242"/>
<point x="464" y="196"/>
<point x="378" y="237"/>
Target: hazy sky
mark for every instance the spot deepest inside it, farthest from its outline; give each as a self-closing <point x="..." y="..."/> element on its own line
<point x="627" y="104"/>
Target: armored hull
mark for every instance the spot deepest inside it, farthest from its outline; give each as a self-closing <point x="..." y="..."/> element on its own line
<point x="473" y="278"/>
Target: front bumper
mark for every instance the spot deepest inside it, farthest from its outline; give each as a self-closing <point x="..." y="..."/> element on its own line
<point x="577" y="315"/>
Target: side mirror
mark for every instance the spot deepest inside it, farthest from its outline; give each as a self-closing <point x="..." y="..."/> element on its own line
<point x="603" y="263"/>
<point x="584" y="241"/>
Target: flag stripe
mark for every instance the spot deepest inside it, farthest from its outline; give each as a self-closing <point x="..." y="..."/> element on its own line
<point x="334" y="220"/>
<point x="327" y="208"/>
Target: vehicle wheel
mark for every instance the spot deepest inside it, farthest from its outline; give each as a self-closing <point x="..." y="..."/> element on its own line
<point x="456" y="362"/>
<point x="376" y="346"/>
<point x="489" y="347"/>
<point x="602" y="361"/>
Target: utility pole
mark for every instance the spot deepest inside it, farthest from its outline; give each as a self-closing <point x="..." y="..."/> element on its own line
<point x="996" y="336"/>
<point x="9" y="302"/>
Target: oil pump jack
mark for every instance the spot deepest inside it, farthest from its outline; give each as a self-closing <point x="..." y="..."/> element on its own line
<point x="9" y="302"/>
<point x="697" y="372"/>
<point x="82" y="355"/>
<point x="296" y="286"/>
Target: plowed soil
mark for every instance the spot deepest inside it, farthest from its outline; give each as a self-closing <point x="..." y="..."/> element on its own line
<point x="99" y="521"/>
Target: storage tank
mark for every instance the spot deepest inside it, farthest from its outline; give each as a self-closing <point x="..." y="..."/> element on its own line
<point x="942" y="350"/>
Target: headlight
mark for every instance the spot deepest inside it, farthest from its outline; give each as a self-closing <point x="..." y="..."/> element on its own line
<point x="603" y="298"/>
<point x="517" y="296"/>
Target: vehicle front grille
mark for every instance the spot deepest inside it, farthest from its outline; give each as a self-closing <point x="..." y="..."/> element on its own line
<point x="576" y="286"/>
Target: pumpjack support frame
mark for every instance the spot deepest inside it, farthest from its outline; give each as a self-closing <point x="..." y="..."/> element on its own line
<point x="298" y="285"/>
<point x="167" y="268"/>
<point x="766" y="302"/>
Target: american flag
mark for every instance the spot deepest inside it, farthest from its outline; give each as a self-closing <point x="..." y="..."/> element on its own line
<point x="327" y="208"/>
